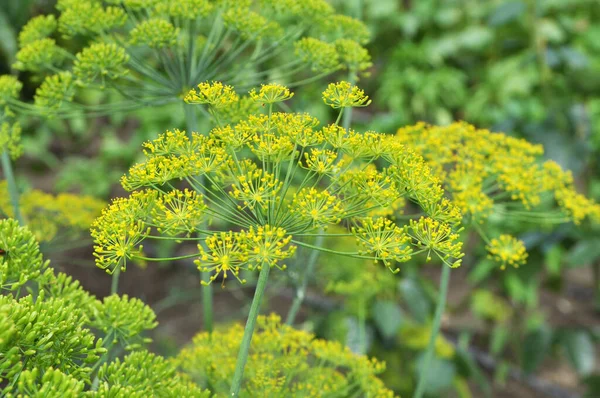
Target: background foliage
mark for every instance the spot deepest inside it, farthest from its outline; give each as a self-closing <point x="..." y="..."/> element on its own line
<point x="528" y="68"/>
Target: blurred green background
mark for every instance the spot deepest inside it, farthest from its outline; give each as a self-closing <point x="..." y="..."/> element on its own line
<point x="526" y="68"/>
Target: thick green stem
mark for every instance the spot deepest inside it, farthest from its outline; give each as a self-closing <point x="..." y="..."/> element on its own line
<point x="114" y="286"/>
<point x="435" y="328"/>
<point x="301" y="291"/>
<point x="236" y="384"/>
<point x="13" y="191"/>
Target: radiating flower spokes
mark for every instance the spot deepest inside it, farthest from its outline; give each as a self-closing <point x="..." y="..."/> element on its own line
<point x="269" y="182"/>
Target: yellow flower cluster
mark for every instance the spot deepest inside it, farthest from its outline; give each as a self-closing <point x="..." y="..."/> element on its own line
<point x="345" y="95"/>
<point x="283" y="361"/>
<point x="271" y="93"/>
<point x="437" y="237"/>
<point x="316" y="208"/>
<point x="507" y="250"/>
<point x="384" y="240"/>
<point x="215" y="94"/>
<point x="482" y="171"/>
<point x="270" y="181"/>
<point x="50" y="217"/>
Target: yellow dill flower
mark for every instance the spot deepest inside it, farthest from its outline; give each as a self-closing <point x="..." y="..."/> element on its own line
<point x="271" y="93"/>
<point x="384" y="240"/>
<point x="279" y="179"/>
<point x="345" y="95"/>
<point x="46" y="214"/>
<point x="283" y="361"/>
<point x="507" y="250"/>
<point x="120" y="230"/>
<point x="299" y="127"/>
<point x="444" y="211"/>
<point x="474" y="202"/>
<point x="368" y="185"/>
<point x="256" y="189"/>
<point x="157" y="170"/>
<point x="322" y="161"/>
<point x="215" y="94"/>
<point x="179" y="212"/>
<point x="480" y="169"/>
<point x="267" y="246"/>
<point x="316" y="208"/>
<point x="438" y="237"/>
<point x="226" y="253"/>
<point x="273" y="147"/>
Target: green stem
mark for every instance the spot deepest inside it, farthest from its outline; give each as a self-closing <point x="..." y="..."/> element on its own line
<point x="236" y="384"/>
<point x="207" y="302"/>
<point x="347" y="114"/>
<point x="13" y="191"/>
<point x="301" y="291"/>
<point x="114" y="286"/>
<point x="435" y="328"/>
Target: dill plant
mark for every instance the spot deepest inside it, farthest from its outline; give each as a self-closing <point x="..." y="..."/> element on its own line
<point x="149" y="53"/>
<point x="58" y="340"/>
<point x="144" y="54"/>
<point x="495" y="180"/>
<point x="271" y="183"/>
<point x="493" y="176"/>
<point x="50" y="217"/>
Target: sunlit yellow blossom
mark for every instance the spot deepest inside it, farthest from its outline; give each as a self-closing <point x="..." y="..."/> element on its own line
<point x="345" y="95"/>
<point x="225" y="254"/>
<point x="271" y="93"/>
<point x="268" y="246"/>
<point x="507" y="250"/>
<point x="179" y="212"/>
<point x="215" y="94"/>
<point x="283" y="361"/>
<point x="384" y="240"/>
<point x="317" y="208"/>
<point x="437" y="237"/>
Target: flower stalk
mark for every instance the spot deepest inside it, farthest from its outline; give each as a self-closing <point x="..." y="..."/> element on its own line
<point x="301" y="291"/>
<point x="435" y="328"/>
<point x="242" y="358"/>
